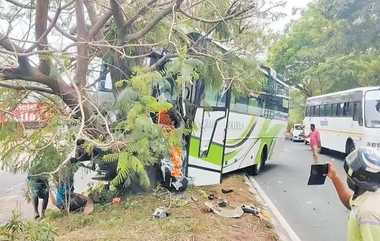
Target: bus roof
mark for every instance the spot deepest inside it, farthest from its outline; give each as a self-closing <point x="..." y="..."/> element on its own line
<point x="350" y="95"/>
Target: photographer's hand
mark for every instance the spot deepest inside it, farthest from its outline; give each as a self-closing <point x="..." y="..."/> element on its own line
<point x="341" y="188"/>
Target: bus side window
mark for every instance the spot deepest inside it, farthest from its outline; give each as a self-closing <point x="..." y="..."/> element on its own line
<point x="255" y="105"/>
<point x="345" y="109"/>
<point x="327" y="110"/>
<point x="313" y="113"/>
<point x="357" y="115"/>
<point x="333" y="110"/>
<point x="240" y="104"/>
<point x="339" y="109"/>
<point x="318" y="111"/>
<point x="350" y="111"/>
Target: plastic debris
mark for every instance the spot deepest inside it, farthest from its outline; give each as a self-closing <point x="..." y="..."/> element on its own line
<point x="160" y="213"/>
<point x="222" y="203"/>
<point x="251" y="209"/>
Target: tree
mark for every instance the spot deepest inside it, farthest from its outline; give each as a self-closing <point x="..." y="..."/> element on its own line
<point x="52" y="50"/>
<point x="332" y="47"/>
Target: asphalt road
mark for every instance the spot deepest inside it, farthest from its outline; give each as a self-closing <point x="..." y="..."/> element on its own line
<point x="313" y="212"/>
<point x="12" y="189"/>
<point x="12" y="192"/>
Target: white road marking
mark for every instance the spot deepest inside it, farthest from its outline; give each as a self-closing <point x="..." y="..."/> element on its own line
<point x="285" y="225"/>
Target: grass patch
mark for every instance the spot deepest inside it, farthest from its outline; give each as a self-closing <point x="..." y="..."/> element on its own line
<point x="132" y="219"/>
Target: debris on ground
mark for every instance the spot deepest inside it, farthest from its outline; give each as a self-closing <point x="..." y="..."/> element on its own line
<point x="160" y="213"/>
<point x="227" y="212"/>
<point x="187" y="213"/>
<point x="222" y="203"/>
<point x="211" y="196"/>
<point x="227" y="190"/>
<point x="251" y="209"/>
<point x="116" y="200"/>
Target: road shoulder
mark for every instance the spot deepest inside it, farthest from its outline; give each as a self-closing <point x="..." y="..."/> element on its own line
<point x="282" y="227"/>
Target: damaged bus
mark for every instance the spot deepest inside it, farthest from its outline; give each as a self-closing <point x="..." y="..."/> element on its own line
<point x="234" y="131"/>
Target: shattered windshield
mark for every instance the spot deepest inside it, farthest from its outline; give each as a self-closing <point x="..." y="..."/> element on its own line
<point x="372" y="109"/>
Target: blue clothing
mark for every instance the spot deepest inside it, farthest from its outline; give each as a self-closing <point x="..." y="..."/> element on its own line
<point x="64" y="190"/>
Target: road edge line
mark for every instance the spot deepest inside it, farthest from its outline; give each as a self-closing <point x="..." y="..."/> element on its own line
<point x="282" y="221"/>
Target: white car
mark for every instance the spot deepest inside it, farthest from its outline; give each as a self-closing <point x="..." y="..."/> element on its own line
<point x="298" y="133"/>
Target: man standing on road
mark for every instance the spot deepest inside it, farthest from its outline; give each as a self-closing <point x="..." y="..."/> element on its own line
<point x="363" y="178"/>
<point x="315" y="143"/>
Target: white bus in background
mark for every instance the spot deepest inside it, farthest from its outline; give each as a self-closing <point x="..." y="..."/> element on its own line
<point x="346" y="119"/>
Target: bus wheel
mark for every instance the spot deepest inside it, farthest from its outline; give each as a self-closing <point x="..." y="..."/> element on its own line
<point x="350" y="147"/>
<point x="255" y="169"/>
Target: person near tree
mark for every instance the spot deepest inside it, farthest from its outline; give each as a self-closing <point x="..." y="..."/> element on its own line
<point x="39" y="189"/>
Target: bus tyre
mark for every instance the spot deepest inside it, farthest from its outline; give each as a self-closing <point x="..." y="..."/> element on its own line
<point x="255" y="169"/>
<point x="350" y="147"/>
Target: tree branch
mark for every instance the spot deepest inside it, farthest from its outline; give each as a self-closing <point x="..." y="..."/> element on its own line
<point x="99" y="25"/>
<point x="118" y="16"/>
<point x="25" y="87"/>
<point x="141" y="12"/>
<point x="63" y="32"/>
<point x="156" y="19"/>
<point x="47" y="31"/>
<point x="226" y="18"/>
<point x="21" y="5"/>
<point x="82" y="57"/>
<point x="91" y="11"/>
<point x="41" y="19"/>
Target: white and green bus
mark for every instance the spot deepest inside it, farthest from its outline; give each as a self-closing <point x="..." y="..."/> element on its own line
<point x="233" y="131"/>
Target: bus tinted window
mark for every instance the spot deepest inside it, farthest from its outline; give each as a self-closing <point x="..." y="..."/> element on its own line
<point x="372" y="109"/>
<point x="255" y="106"/>
<point x="313" y="111"/>
<point x="357" y="115"/>
<point x="327" y="110"/>
<point x="348" y="109"/>
<point x="339" y="109"/>
<point x="318" y="110"/>
<point x="239" y="104"/>
<point x="333" y="110"/>
<point x="214" y="98"/>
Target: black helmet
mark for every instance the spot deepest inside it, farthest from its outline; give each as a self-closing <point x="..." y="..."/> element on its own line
<point x="363" y="169"/>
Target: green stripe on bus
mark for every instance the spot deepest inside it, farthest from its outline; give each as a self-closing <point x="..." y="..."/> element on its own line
<point x="215" y="154"/>
<point x="244" y="134"/>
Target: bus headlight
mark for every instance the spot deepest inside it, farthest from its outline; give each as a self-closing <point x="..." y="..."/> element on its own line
<point x="373" y="144"/>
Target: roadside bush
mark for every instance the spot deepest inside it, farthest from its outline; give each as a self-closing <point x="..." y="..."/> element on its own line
<point x="18" y="229"/>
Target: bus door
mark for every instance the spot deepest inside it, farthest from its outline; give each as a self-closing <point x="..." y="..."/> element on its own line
<point x="206" y="150"/>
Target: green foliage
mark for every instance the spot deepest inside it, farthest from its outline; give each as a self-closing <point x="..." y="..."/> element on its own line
<point x="130" y="168"/>
<point x="334" y="46"/>
<point x="142" y="81"/>
<point x="18" y="229"/>
<point x="147" y="141"/>
<point x="296" y="107"/>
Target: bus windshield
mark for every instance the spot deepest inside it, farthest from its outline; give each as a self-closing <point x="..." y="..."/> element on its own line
<point x="372" y="109"/>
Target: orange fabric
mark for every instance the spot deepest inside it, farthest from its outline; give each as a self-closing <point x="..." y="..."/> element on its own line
<point x="175" y="151"/>
<point x="176" y="157"/>
<point x="164" y="119"/>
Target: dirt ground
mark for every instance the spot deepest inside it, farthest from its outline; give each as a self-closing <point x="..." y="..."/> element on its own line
<point x="189" y="219"/>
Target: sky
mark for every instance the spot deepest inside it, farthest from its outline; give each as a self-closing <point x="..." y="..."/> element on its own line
<point x="279" y="25"/>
